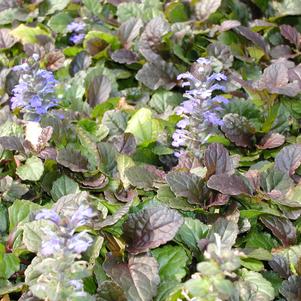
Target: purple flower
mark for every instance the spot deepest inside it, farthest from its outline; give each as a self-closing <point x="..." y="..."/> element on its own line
<point x="79" y="242"/>
<point x="202" y="108"/>
<point x="77" y="284"/>
<point x="77" y="38"/>
<point x="76" y="26"/>
<point x="34" y="94"/>
<point x="212" y="118"/>
<point x="52" y="245"/>
<point x="81" y="216"/>
<point x="48" y="214"/>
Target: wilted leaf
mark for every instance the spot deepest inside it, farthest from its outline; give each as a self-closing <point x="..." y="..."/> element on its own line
<point x="238" y="130"/>
<point x="150" y="228"/>
<point x="230" y="184"/>
<point x="282" y="228"/>
<point x="271" y="140"/>
<point x="204" y="8"/>
<point x="139" y="277"/>
<point x="99" y="90"/>
<point x="32" y="170"/>
<point x="289" y="159"/>
<point x="72" y="159"/>
<point x="186" y="185"/>
<point x="6" y="39"/>
<point x="217" y="160"/>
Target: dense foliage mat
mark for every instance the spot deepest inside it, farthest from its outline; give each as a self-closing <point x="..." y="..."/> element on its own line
<point x="150" y="150"/>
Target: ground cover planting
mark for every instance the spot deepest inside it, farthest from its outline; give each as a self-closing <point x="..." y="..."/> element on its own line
<point x="150" y="150"/>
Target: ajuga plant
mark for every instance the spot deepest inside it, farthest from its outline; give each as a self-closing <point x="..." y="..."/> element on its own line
<point x="202" y="111"/>
<point x="150" y="150"/>
<point x="34" y="94"/>
<point x="57" y="272"/>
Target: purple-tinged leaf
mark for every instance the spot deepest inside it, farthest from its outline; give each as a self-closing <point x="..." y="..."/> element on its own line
<point x="138" y="278"/>
<point x="6" y="39"/>
<point x="142" y="177"/>
<point x="151" y="39"/>
<point x="280" y="265"/>
<point x="275" y="183"/>
<point x="150" y="228"/>
<point x="278" y="78"/>
<point x="290" y="288"/>
<point x="254" y="37"/>
<point x="124" y="56"/>
<point x="54" y="60"/>
<point x="113" y="219"/>
<point x="291" y="34"/>
<point x="217" y="160"/>
<point x="125" y="143"/>
<point x="186" y="185"/>
<point x="271" y="140"/>
<point x="156" y="75"/>
<point x="95" y="182"/>
<point x="289" y="159"/>
<point x="238" y="130"/>
<point x="230" y="184"/>
<point x="12" y="143"/>
<point x="282" y="228"/>
<point x="204" y="9"/>
<point x="227" y="229"/>
<point x="72" y="159"/>
<point x="99" y="90"/>
<point x="110" y="291"/>
<point x="80" y="62"/>
<point x="128" y="31"/>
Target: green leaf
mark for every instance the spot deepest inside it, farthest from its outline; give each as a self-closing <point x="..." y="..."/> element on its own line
<point x="51" y="6"/>
<point x="144" y="127"/>
<point x="32" y="170"/>
<point x="59" y="22"/>
<point x="63" y="186"/>
<point x="34" y="232"/>
<point x="20" y="211"/>
<point x="9" y="264"/>
<point x="172" y="262"/>
<point x="163" y="101"/>
<point x="28" y="34"/>
<point x="191" y="232"/>
<point x="123" y="163"/>
<point x="185" y="184"/>
<point x="262" y="288"/>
